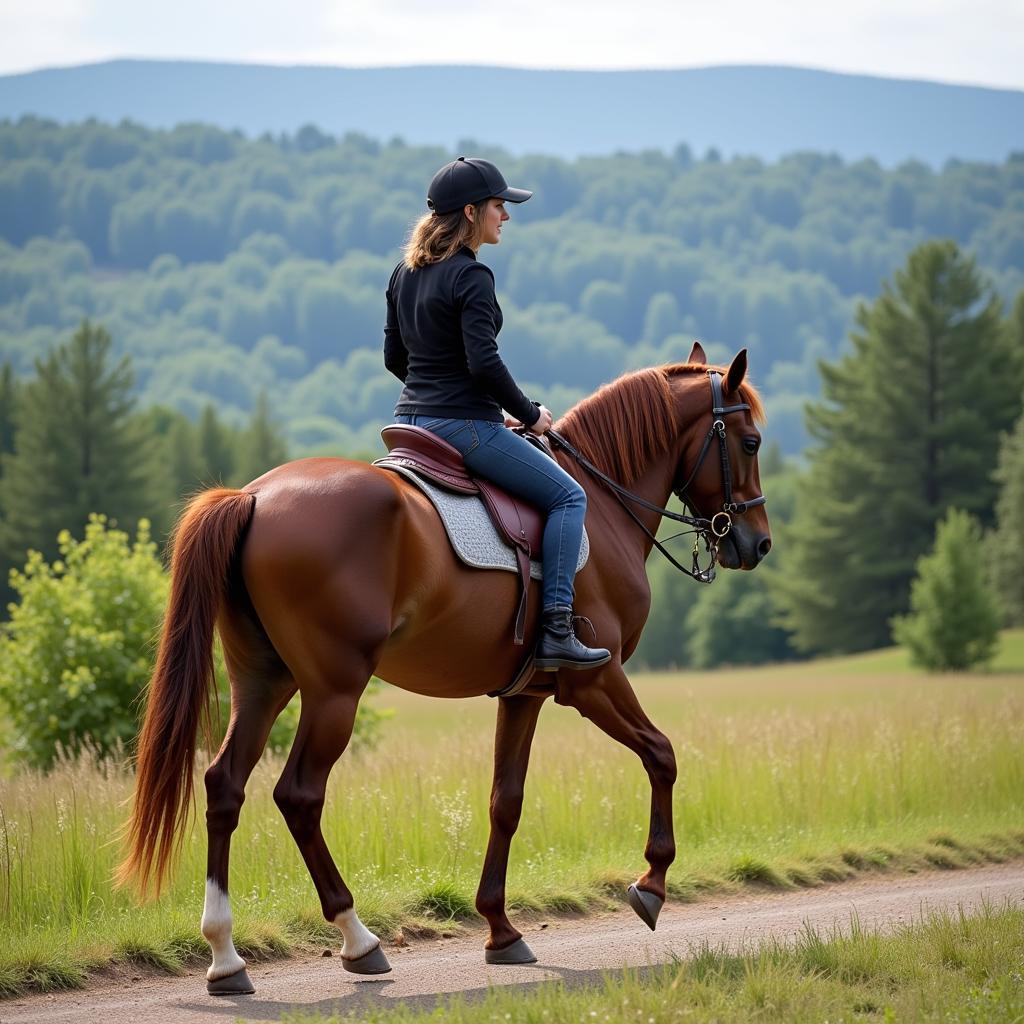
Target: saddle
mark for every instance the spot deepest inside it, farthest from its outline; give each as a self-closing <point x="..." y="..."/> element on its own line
<point x="518" y="523"/>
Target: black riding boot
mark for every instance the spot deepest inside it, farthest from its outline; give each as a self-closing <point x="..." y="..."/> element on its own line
<point x="559" y="648"/>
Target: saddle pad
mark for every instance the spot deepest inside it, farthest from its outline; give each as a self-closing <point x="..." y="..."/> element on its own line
<point x="473" y="536"/>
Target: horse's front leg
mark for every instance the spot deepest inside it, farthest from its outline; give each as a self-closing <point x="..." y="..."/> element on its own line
<point x="608" y="700"/>
<point x="517" y="720"/>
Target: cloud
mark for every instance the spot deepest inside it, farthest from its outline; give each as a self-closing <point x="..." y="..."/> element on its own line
<point x="949" y="40"/>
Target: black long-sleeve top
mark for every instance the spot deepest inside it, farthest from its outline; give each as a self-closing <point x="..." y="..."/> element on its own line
<point x="440" y="340"/>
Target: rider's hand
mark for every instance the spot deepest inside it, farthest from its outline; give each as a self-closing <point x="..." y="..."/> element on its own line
<point x="512" y="423"/>
<point x="543" y="424"/>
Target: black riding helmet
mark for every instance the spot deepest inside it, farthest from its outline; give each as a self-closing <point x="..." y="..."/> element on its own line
<point x="470" y="180"/>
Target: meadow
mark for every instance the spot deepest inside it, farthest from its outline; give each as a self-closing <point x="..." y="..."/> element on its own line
<point x="789" y="775"/>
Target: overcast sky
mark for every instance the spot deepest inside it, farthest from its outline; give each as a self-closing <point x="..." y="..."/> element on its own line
<point x="968" y="41"/>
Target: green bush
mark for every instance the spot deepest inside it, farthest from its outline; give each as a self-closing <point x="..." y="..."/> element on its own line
<point x="954" y="621"/>
<point x="80" y="642"/>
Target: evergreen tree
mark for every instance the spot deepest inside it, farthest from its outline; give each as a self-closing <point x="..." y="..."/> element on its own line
<point x="909" y="426"/>
<point x="1006" y="544"/>
<point x="1015" y="323"/>
<point x="8" y="397"/>
<point x="184" y="465"/>
<point x="262" y="445"/>
<point x="216" y="452"/>
<point x="954" y="622"/>
<point x="78" y="447"/>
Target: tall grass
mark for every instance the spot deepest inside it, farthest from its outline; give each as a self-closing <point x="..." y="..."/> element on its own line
<point x="787" y="776"/>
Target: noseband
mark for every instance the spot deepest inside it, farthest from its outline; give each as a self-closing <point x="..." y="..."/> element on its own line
<point x="712" y="530"/>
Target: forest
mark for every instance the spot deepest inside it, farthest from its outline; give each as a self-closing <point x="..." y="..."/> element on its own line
<point x="183" y="307"/>
<point x="227" y="266"/>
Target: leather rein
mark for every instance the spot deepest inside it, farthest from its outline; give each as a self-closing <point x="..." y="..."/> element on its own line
<point x="712" y="530"/>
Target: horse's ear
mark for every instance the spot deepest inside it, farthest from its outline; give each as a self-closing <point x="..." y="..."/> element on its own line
<point x="697" y="354"/>
<point x="737" y="371"/>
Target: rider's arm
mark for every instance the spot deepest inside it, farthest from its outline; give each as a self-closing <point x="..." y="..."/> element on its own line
<point x="474" y="294"/>
<point x="396" y="356"/>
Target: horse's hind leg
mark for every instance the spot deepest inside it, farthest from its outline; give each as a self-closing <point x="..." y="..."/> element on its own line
<point x="325" y="726"/>
<point x="517" y="720"/>
<point x="260" y="688"/>
<point x="610" y="703"/>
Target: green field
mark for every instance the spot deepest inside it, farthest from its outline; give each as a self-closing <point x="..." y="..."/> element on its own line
<point x="946" y="968"/>
<point x="789" y="775"/>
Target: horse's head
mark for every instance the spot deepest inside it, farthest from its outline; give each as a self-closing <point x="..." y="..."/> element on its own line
<point x="717" y="471"/>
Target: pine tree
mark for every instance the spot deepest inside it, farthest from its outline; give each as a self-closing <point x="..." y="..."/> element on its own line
<point x="8" y="397"/>
<point x="909" y="426"/>
<point x="1006" y="544"/>
<point x="954" y="622"/>
<point x="262" y="445"/>
<point x="216" y="452"/>
<point x="184" y="465"/>
<point x="78" y="447"/>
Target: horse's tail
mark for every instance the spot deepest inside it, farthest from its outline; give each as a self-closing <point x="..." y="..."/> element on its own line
<point x="179" y="695"/>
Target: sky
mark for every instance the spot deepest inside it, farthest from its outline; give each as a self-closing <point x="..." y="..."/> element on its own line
<point x="979" y="42"/>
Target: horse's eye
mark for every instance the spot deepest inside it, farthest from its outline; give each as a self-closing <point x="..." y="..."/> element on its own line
<point x="750" y="445"/>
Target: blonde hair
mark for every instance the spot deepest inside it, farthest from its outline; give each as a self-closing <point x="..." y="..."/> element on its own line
<point x="436" y="236"/>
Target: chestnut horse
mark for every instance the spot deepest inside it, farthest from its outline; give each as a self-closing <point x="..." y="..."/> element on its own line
<point x="324" y="572"/>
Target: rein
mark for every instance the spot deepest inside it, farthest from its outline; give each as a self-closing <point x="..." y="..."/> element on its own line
<point x="712" y="530"/>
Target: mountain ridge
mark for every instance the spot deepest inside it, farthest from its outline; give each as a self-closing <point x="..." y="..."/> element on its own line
<point x="760" y="110"/>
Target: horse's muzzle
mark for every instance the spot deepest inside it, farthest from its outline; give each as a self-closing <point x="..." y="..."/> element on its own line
<point x="743" y="548"/>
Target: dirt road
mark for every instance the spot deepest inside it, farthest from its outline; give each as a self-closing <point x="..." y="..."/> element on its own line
<point x="574" y="950"/>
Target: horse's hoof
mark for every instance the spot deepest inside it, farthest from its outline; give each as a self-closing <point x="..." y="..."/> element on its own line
<point x="518" y="953"/>
<point x="646" y="904"/>
<point x="237" y="984"/>
<point x="374" y="962"/>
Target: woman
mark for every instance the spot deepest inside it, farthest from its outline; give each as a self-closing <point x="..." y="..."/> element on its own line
<point x="440" y="341"/>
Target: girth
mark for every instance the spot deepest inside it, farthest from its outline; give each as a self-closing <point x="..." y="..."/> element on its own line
<point x="518" y="523"/>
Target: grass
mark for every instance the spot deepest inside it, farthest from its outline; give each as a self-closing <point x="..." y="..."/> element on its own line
<point x="788" y="776"/>
<point x="946" y="968"/>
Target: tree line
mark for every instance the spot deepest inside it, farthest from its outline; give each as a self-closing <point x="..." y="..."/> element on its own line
<point x="906" y="523"/>
<point x="911" y="424"/>
<point x="228" y="266"/>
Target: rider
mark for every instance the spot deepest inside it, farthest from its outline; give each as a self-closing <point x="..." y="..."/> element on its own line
<point x="440" y="341"/>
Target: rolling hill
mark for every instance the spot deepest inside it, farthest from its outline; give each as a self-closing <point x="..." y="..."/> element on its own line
<point x="762" y="111"/>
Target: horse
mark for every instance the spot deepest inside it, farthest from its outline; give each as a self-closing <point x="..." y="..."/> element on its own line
<point x="324" y="572"/>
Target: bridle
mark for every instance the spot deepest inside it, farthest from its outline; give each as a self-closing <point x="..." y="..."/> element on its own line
<point x="710" y="531"/>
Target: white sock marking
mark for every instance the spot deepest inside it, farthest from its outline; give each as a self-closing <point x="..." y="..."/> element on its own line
<point x="216" y="929"/>
<point x="358" y="939"/>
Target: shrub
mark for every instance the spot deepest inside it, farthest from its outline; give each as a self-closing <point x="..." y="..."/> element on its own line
<point x="954" y="622"/>
<point x="80" y="643"/>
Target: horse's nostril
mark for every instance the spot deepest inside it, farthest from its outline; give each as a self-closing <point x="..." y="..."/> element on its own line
<point x="764" y="547"/>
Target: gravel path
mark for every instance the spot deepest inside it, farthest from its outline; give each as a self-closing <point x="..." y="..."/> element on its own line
<point x="573" y="950"/>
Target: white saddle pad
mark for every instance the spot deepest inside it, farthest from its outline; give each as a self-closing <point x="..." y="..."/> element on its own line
<point x="472" y="534"/>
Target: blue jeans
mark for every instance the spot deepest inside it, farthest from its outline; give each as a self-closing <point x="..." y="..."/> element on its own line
<point x="492" y="451"/>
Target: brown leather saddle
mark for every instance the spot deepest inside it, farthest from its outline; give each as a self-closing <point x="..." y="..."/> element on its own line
<point x="518" y="523"/>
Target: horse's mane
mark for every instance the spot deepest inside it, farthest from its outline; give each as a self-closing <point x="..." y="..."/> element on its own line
<point x="628" y="423"/>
